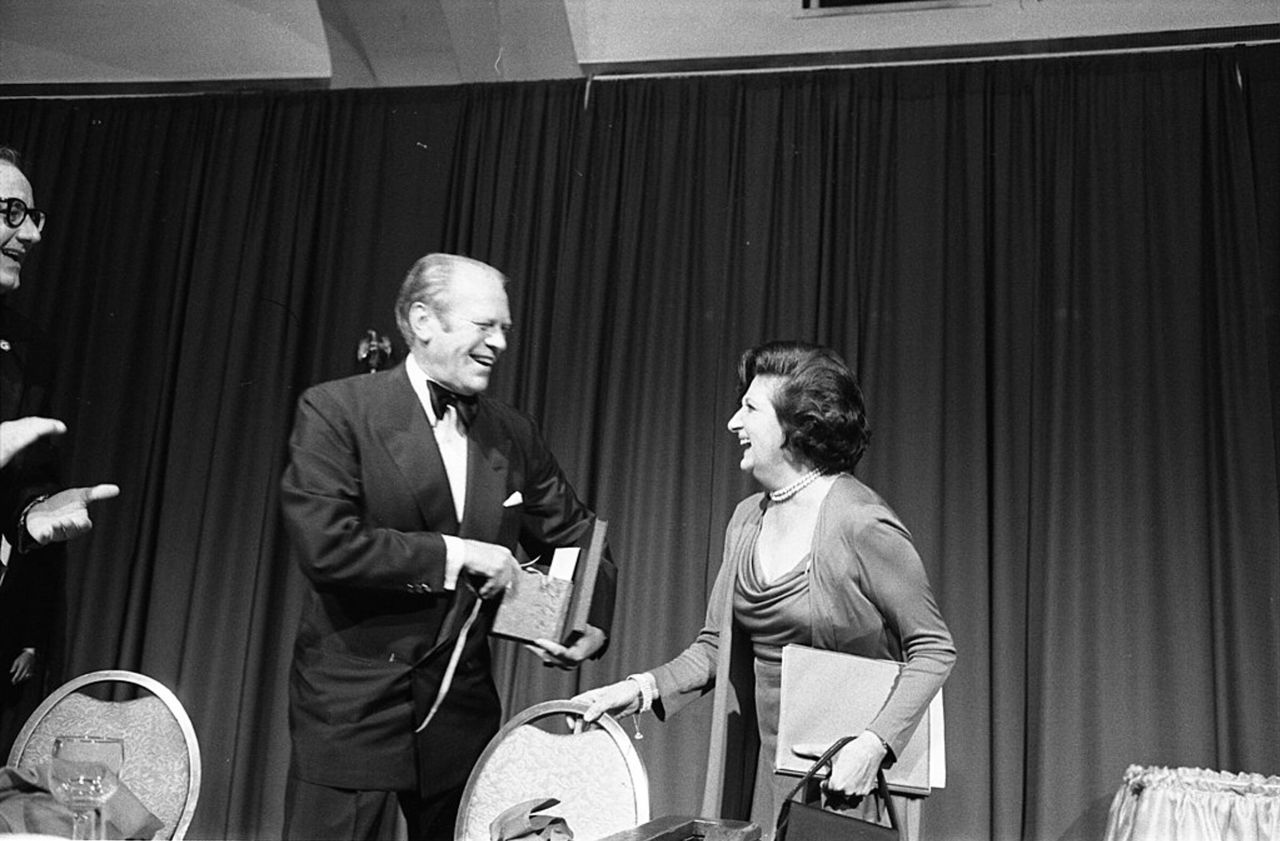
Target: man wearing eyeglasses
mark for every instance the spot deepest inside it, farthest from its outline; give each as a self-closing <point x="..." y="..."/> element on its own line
<point x="20" y="226"/>
<point x="35" y="510"/>
<point x="406" y="496"/>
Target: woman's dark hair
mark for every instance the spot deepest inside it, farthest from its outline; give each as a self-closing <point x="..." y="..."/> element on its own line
<point x="818" y="401"/>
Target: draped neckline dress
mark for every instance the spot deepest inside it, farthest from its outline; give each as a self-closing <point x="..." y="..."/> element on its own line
<point x="774" y="614"/>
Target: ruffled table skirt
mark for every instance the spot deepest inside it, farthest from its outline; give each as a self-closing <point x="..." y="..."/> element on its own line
<point x="1193" y="804"/>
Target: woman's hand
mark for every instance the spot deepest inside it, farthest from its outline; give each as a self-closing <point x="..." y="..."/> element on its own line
<point x="853" y="771"/>
<point x="617" y="699"/>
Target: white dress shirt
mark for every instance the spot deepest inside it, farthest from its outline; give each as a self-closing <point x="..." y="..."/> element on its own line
<point x="451" y="438"/>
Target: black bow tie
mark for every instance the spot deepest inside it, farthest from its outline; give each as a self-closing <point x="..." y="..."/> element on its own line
<point x="442" y="398"/>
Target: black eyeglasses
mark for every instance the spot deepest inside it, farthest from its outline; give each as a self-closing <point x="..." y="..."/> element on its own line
<point x="16" y="212"/>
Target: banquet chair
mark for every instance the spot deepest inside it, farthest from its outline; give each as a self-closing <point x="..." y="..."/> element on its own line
<point x="546" y="751"/>
<point x="161" y="752"/>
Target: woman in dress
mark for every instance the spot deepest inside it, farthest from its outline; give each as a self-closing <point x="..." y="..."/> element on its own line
<point x="816" y="559"/>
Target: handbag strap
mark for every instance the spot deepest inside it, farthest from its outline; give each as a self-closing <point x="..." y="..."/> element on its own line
<point x="881" y="786"/>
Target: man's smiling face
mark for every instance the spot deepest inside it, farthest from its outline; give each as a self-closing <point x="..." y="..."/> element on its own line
<point x="15" y="243"/>
<point x="464" y="339"/>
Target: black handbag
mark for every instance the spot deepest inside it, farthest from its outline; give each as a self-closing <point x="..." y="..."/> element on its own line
<point x="800" y="821"/>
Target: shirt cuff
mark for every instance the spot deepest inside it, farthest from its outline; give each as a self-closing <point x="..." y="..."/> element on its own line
<point x="455" y="550"/>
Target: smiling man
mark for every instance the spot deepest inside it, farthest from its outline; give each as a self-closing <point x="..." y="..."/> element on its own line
<point x="35" y="510"/>
<point x="20" y="232"/>
<point x="406" y="496"/>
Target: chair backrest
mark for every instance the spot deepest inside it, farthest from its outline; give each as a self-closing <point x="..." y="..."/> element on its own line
<point x="594" y="771"/>
<point x="161" y="752"/>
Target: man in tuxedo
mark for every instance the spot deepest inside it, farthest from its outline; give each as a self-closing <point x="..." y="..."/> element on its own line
<point x="406" y="496"/>
<point x="36" y="512"/>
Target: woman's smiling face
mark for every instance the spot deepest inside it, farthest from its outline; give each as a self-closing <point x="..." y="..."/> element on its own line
<point x="759" y="432"/>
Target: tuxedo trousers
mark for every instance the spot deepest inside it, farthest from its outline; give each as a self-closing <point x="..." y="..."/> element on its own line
<point x="319" y="813"/>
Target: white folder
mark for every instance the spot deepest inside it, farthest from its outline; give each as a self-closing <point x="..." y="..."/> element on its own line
<point x="829" y="694"/>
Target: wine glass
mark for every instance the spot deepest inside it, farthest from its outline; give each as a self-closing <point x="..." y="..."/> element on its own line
<point x="82" y="776"/>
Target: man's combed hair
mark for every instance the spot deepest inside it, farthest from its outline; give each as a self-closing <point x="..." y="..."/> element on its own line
<point x="426" y="282"/>
<point x="818" y="402"/>
<point x="10" y="155"/>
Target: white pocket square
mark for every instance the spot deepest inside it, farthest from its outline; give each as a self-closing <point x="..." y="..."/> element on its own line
<point x="513" y="500"/>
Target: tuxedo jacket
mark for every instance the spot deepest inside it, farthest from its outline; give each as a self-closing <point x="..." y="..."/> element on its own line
<point x="366" y="502"/>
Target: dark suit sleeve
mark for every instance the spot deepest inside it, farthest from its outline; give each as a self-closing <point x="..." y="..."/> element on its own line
<point x="32" y="473"/>
<point x="323" y="499"/>
<point x="554" y="516"/>
<point x="26" y="379"/>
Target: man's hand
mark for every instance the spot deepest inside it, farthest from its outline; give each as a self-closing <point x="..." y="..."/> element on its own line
<point x="492" y="567"/>
<point x="853" y="770"/>
<point x="15" y="435"/>
<point x="66" y="514"/>
<point x="22" y="666"/>
<point x="581" y="646"/>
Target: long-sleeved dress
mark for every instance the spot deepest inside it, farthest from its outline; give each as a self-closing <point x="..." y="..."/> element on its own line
<point x="862" y="590"/>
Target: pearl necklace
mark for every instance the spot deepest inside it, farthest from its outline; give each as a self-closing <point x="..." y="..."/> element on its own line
<point x="783" y="494"/>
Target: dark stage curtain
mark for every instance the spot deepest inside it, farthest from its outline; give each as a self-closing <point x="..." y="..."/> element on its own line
<point x="1058" y="279"/>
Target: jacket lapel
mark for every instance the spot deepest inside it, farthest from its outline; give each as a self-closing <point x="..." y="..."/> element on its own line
<point x="487" y="466"/>
<point x="413" y="449"/>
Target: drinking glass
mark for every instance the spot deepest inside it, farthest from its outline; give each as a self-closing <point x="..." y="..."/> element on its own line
<point x="82" y="776"/>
